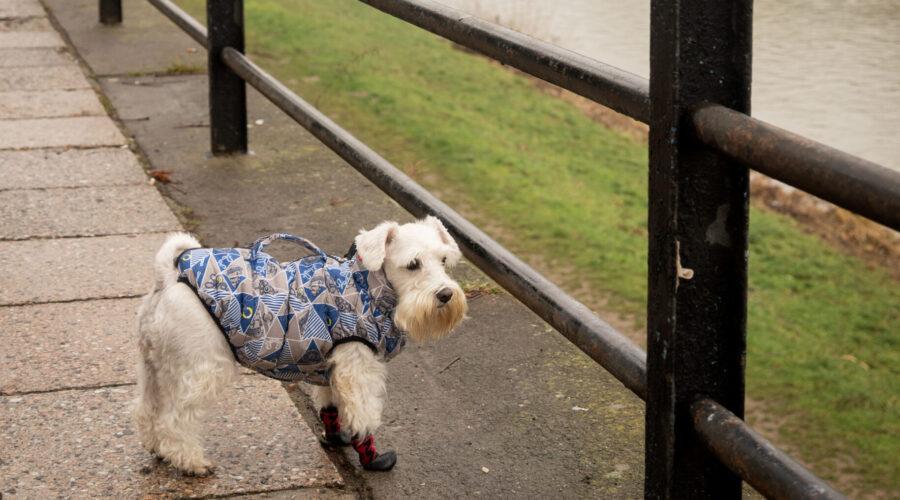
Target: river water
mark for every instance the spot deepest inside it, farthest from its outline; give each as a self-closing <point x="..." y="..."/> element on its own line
<point x="826" y="69"/>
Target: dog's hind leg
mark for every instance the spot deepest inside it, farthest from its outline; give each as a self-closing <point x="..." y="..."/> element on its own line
<point x="186" y="396"/>
<point x="146" y="405"/>
<point x="145" y="409"/>
<point x="357" y="382"/>
<point x="194" y="367"/>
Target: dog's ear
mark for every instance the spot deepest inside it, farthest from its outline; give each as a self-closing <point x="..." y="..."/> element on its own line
<point x="371" y="246"/>
<point x="454" y="254"/>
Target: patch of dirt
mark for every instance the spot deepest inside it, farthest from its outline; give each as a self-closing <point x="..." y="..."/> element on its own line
<point x="874" y="244"/>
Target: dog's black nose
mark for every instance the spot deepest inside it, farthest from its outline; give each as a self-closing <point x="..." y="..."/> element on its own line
<point x="444" y="295"/>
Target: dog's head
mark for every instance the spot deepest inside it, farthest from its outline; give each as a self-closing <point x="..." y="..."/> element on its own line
<point x="415" y="258"/>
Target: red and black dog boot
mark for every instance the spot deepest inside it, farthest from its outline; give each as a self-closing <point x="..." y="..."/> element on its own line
<point x="370" y="458"/>
<point x="333" y="436"/>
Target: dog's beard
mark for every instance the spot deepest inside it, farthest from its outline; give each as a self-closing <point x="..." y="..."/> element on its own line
<point x="419" y="315"/>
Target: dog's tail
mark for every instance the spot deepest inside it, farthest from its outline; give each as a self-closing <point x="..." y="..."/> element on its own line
<point x="164" y="263"/>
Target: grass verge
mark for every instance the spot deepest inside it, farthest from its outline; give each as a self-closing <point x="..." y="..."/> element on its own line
<point x="569" y="195"/>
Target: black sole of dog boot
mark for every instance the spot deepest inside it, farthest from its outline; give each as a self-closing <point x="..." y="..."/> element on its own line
<point x="338" y="440"/>
<point x="383" y="462"/>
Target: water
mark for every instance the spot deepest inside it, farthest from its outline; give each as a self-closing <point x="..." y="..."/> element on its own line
<point x="826" y="69"/>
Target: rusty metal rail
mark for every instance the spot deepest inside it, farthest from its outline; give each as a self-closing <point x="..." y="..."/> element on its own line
<point x="769" y="470"/>
<point x="697" y="444"/>
<point x="847" y="181"/>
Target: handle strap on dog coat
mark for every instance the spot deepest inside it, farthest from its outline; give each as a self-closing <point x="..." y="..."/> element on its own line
<point x="265" y="241"/>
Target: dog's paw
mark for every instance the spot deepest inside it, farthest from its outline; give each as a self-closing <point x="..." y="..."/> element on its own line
<point x="198" y="468"/>
<point x="383" y="462"/>
<point x="204" y="470"/>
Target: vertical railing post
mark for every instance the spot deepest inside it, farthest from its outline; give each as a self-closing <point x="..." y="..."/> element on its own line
<point x="700" y="51"/>
<point x="111" y="11"/>
<point x="227" y="91"/>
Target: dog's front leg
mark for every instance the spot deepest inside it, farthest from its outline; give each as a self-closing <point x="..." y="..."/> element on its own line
<point x="333" y="436"/>
<point x="357" y="382"/>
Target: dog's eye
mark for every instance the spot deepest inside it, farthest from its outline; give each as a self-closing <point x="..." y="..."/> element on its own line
<point x="444" y="260"/>
<point x="414" y="265"/>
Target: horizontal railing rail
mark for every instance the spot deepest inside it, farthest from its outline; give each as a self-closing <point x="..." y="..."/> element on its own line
<point x="858" y="185"/>
<point x="847" y="181"/>
<point x="769" y="470"/>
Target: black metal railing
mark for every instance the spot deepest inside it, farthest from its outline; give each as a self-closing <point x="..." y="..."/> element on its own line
<point x="702" y="143"/>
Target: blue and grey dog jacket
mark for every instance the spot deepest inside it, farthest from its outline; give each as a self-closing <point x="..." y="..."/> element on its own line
<point x="282" y="320"/>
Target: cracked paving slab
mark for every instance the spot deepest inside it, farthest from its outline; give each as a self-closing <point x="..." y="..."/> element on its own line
<point x="88" y="131"/>
<point x="54" y="168"/>
<point x="67" y="77"/>
<point x="15" y="58"/>
<point x="87" y="211"/>
<point x="83" y="444"/>
<point x="31" y="39"/>
<point x="66" y="269"/>
<point x="95" y="336"/>
<point x="49" y="104"/>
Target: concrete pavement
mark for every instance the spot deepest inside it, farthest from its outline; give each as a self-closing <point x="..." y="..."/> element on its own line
<point x="79" y="223"/>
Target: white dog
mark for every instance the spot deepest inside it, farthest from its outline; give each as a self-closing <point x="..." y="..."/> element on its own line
<point x="352" y="313"/>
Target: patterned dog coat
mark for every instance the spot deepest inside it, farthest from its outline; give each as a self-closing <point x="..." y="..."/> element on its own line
<point x="282" y="320"/>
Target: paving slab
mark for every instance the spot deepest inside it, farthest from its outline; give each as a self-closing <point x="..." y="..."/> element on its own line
<point x="66" y="77"/>
<point x="21" y="8"/>
<point x="89" y="131"/>
<point x="53" y="168"/>
<point x="83" y="444"/>
<point x="17" y="58"/>
<point x="19" y="39"/>
<point x="87" y="211"/>
<point x="39" y="271"/>
<point x="49" y="104"/>
<point x="84" y="343"/>
<point x="110" y="50"/>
